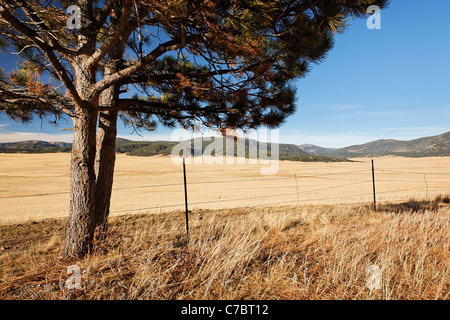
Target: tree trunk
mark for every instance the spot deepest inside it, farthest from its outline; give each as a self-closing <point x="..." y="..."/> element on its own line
<point x="104" y="167"/>
<point x="106" y="139"/>
<point x="81" y="222"/>
<point x="93" y="156"/>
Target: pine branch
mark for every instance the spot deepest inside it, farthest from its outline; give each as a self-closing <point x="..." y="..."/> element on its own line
<point x="46" y="49"/>
<point x="145" y="61"/>
<point x="103" y="50"/>
<point x="42" y="28"/>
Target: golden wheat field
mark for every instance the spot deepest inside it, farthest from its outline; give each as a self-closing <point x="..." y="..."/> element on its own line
<point x="36" y="186"/>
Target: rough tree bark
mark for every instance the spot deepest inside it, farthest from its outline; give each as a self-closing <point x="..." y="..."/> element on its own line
<point x="106" y="139"/>
<point x="93" y="151"/>
<point x="81" y="223"/>
<point x="104" y="167"/>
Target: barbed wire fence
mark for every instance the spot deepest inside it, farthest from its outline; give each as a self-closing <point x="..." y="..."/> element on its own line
<point x="298" y="190"/>
<point x="428" y="185"/>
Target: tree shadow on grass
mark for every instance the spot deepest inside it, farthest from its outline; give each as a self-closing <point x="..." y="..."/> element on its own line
<point x="414" y="206"/>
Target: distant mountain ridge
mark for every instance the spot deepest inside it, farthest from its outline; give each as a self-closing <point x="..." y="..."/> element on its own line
<point x="35" y="146"/>
<point x="198" y="146"/>
<point x="316" y="150"/>
<point x="434" y="146"/>
<point x="438" y="145"/>
<point x="289" y="152"/>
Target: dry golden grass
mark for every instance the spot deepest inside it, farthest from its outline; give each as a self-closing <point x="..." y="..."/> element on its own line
<point x="296" y="252"/>
<point x="34" y="187"/>
<point x="320" y="249"/>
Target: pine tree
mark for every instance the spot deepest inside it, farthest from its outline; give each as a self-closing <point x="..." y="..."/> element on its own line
<point x="226" y="64"/>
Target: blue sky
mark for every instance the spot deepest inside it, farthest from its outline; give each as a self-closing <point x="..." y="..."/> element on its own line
<point x="374" y="84"/>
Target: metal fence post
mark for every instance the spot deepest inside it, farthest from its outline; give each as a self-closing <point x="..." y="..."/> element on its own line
<point x="186" y="201"/>
<point x="296" y="187"/>
<point x="374" y="194"/>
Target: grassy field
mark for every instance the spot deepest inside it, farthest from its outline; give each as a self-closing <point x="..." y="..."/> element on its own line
<point x="294" y="252"/>
<point x="310" y="232"/>
<point x="34" y="187"/>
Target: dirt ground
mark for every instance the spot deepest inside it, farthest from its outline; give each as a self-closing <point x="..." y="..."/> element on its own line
<point x="36" y="186"/>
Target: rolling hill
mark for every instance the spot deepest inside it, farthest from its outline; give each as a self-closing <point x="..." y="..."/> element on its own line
<point x="289" y="152"/>
<point x="34" y="146"/>
<point x="315" y="150"/>
<point x="434" y="146"/>
<point x="423" y="147"/>
<point x="197" y="146"/>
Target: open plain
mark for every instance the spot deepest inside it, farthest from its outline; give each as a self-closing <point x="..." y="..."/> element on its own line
<point x="35" y="187"/>
<point x="312" y="232"/>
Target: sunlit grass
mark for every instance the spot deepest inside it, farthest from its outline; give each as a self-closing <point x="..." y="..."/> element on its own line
<point x="312" y="252"/>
